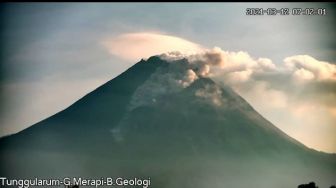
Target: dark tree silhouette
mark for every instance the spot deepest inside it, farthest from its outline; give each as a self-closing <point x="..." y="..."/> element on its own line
<point x="333" y="186"/>
<point x="72" y="186"/>
<point x="309" y="185"/>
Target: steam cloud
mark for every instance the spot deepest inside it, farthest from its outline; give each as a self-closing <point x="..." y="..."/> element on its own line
<point x="242" y="72"/>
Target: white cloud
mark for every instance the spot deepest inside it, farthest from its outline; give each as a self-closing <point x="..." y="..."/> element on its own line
<point x="308" y="67"/>
<point x="303" y="74"/>
<point x="266" y="64"/>
<point x="134" y="46"/>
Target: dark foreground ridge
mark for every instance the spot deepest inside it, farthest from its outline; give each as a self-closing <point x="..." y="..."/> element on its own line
<point x="312" y="185"/>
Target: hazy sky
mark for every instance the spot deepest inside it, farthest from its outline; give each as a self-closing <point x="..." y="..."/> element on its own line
<point x="54" y="53"/>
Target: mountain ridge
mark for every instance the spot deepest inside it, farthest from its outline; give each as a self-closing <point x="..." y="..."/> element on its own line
<point x="145" y="115"/>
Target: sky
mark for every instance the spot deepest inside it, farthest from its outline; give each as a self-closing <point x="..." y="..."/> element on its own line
<point x="52" y="54"/>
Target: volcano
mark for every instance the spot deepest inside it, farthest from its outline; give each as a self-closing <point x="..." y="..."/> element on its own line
<point x="160" y="120"/>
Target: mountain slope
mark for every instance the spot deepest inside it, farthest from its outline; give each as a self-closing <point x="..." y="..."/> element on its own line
<point x="153" y="121"/>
